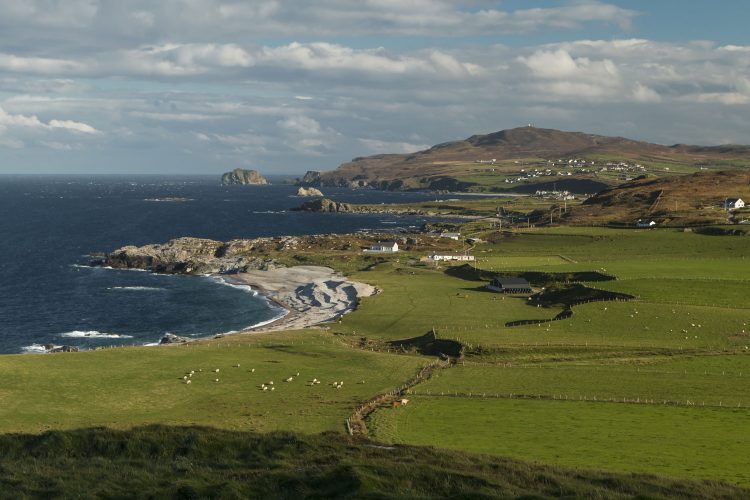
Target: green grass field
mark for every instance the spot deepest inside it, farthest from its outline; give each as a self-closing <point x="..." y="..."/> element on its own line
<point x="657" y="384"/>
<point x="697" y="443"/>
<point x="134" y="386"/>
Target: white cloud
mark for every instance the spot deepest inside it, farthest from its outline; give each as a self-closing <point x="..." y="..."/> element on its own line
<point x="10" y="121"/>
<point x="83" y="128"/>
<point x="378" y="146"/>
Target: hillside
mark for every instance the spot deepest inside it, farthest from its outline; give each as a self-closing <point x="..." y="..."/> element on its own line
<point x="504" y="160"/>
<point x="200" y="462"/>
<point x="678" y="200"/>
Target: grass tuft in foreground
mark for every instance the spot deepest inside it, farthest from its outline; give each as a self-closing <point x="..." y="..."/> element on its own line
<point x="199" y="462"/>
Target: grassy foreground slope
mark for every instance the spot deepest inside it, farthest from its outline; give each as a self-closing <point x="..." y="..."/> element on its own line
<point x="179" y="462"/>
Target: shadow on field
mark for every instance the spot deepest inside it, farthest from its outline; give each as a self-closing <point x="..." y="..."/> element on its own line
<point x="200" y="462"/>
<point x="429" y="345"/>
<point x="536" y="278"/>
<point x="567" y="296"/>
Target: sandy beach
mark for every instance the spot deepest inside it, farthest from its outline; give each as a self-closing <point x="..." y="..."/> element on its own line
<point x="311" y="294"/>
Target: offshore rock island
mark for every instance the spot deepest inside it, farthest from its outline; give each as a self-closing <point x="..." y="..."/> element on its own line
<point x="242" y="177"/>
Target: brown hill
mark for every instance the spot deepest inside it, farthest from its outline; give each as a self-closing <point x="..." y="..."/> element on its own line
<point x="446" y="166"/>
<point x="678" y="200"/>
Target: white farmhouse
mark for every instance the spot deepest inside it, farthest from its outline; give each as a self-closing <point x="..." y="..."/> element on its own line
<point x="384" y="246"/>
<point x="733" y="203"/>
<point x="453" y="236"/>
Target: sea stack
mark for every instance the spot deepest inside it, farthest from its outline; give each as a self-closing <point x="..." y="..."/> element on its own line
<point x="242" y="177"/>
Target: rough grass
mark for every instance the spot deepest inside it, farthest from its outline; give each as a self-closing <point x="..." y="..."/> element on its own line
<point x="194" y="462"/>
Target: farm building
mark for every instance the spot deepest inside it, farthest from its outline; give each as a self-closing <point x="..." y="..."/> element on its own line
<point x="733" y="203"/>
<point x="384" y="246"/>
<point x="510" y="285"/>
<point x="645" y="223"/>
<point x="450" y="256"/>
<point x="453" y="236"/>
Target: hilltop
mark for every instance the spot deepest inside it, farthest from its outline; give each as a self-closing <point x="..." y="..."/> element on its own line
<point x="679" y="200"/>
<point x="501" y="160"/>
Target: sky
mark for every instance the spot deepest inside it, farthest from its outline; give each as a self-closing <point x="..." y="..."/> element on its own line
<point x="205" y="86"/>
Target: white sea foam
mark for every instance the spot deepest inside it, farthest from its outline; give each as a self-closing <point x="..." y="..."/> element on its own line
<point x="244" y="288"/>
<point x="35" y="349"/>
<point x="93" y="334"/>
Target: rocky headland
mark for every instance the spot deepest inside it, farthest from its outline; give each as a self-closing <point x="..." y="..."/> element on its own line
<point x="243" y="177"/>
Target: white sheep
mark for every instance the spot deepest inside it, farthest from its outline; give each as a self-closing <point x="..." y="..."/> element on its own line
<point x="188" y="381"/>
<point x="289" y="379"/>
<point x="184" y="378"/>
<point x="273" y="388"/>
<point x="270" y="383"/>
<point x="237" y="365"/>
<point x="297" y="374"/>
<point x="216" y="370"/>
<point x="265" y="388"/>
<point x="217" y="380"/>
<point x="252" y="371"/>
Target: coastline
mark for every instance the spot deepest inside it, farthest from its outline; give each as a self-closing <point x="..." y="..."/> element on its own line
<point x="310" y="295"/>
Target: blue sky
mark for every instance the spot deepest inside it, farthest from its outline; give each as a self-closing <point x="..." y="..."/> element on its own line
<point x="203" y="86"/>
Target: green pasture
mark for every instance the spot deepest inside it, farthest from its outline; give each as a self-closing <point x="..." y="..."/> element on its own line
<point x="127" y="387"/>
<point x="415" y="300"/>
<point x="727" y="293"/>
<point x="699" y="380"/>
<point x="697" y="443"/>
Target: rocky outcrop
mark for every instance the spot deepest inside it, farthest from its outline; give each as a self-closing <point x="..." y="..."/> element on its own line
<point x="240" y="176"/>
<point x="309" y="192"/>
<point x="311" y="178"/>
<point x="324" y="205"/>
<point x="191" y="256"/>
<point x="170" y="338"/>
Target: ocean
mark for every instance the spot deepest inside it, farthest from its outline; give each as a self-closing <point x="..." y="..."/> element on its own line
<point x="49" y="225"/>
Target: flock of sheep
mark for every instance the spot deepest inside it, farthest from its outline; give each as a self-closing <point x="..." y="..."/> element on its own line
<point x="265" y="386"/>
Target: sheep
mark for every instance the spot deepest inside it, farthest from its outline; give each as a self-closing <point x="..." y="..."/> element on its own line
<point x="216" y="380"/>
<point x="273" y="388"/>
<point x="216" y="370"/>
<point x="289" y="379"/>
<point x="270" y="383"/>
<point x="335" y="384"/>
<point x="190" y="375"/>
<point x="237" y="365"/>
<point x="404" y="402"/>
<point x="184" y="378"/>
<point x="265" y="388"/>
<point x="317" y="381"/>
<point x="297" y="374"/>
<point x="192" y="372"/>
<point x="252" y="370"/>
<point x="188" y="381"/>
<point x="341" y="383"/>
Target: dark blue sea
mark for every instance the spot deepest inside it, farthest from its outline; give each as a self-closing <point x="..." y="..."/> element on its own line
<point x="49" y="225"/>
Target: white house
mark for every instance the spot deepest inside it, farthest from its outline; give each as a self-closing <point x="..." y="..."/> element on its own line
<point x="645" y="223"/>
<point x="733" y="203"/>
<point x="384" y="246"/>
<point x="436" y="257"/>
<point x="453" y="236"/>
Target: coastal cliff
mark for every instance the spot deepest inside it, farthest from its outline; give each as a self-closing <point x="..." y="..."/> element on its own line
<point x="243" y="177"/>
<point x="326" y="205"/>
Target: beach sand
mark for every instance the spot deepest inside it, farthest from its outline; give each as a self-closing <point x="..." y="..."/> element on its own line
<point x="311" y="294"/>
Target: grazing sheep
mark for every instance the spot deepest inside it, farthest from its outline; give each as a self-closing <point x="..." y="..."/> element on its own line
<point x="289" y="379"/>
<point x="188" y="381"/>
<point x="317" y="381"/>
<point x="192" y="372"/>
<point x="217" y="380"/>
<point x="252" y="371"/>
<point x="341" y="383"/>
<point x="265" y="388"/>
<point x="270" y="383"/>
<point x="273" y="388"/>
<point x="404" y="402"/>
<point x="216" y="370"/>
<point x="335" y="384"/>
<point x="237" y="365"/>
<point x="184" y="378"/>
<point x="297" y="375"/>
